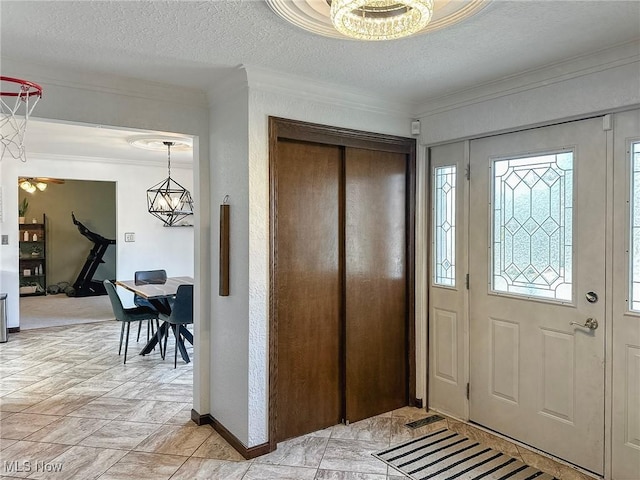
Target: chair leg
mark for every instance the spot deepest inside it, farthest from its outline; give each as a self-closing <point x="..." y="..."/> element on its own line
<point x="139" y="328"/>
<point x="121" y="335"/>
<point x="126" y="345"/>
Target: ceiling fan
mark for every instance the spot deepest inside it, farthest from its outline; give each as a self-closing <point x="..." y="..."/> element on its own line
<point x="31" y="184"/>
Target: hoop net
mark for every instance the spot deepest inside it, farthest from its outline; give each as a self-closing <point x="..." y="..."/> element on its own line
<point x="18" y="98"/>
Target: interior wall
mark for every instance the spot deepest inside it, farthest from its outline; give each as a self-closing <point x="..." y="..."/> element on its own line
<point x="94" y="204"/>
<point x="229" y="315"/>
<point x="240" y="154"/>
<point x="610" y="82"/>
<point x="326" y="110"/>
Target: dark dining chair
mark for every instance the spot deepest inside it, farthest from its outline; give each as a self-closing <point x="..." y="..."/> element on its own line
<point x="145" y="277"/>
<point x="128" y="315"/>
<point x="181" y="315"/>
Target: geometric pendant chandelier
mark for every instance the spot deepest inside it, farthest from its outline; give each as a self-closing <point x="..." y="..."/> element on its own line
<point x="168" y="200"/>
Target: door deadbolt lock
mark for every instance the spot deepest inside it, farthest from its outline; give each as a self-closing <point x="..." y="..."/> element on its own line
<point x="592" y="297"/>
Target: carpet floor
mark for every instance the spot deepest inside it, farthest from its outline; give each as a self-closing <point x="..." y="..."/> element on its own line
<point x="58" y="310"/>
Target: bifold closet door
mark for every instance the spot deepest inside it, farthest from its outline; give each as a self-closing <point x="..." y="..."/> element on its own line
<point x="308" y="282"/>
<point x="375" y="282"/>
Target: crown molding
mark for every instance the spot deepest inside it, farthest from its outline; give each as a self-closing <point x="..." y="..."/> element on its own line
<point x="47" y="75"/>
<point x="264" y="80"/>
<point x="55" y="157"/>
<point x="602" y="60"/>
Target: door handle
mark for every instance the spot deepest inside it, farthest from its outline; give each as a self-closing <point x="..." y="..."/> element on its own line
<point x="591" y="324"/>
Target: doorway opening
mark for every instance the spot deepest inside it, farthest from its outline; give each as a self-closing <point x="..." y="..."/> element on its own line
<point x="91" y="156"/>
<point x="53" y="254"/>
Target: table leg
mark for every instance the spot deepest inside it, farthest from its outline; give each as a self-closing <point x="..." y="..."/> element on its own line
<point x="188" y="336"/>
<point x="155" y="339"/>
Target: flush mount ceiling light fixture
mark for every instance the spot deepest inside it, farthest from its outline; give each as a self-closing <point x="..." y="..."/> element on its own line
<point x="168" y="200"/>
<point x="315" y="15"/>
<point x="155" y="142"/>
<point x="380" y="19"/>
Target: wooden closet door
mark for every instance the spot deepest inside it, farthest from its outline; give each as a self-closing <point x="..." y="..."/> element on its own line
<point x="376" y="282"/>
<point x="308" y="286"/>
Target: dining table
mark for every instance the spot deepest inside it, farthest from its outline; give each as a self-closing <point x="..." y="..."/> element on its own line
<point x="160" y="295"/>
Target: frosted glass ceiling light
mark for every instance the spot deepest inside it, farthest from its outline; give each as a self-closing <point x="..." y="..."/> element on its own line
<point x="380" y="19"/>
<point x="31" y="184"/>
<point x="26" y="185"/>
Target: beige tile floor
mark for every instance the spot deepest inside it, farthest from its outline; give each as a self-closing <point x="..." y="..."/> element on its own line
<point x="69" y="409"/>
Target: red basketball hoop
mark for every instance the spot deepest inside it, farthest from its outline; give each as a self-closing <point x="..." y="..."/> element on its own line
<point x="18" y="98"/>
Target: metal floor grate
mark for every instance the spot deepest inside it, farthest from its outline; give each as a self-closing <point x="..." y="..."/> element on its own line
<point x="424" y="421"/>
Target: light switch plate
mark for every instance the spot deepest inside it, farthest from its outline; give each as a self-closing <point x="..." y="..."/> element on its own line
<point x="129" y="237"/>
<point x="5" y="239"/>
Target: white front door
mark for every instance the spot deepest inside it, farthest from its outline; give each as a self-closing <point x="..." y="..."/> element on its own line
<point x="537" y="288"/>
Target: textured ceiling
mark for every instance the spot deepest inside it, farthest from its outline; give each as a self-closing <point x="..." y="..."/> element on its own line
<point x="195" y="43"/>
<point x="191" y="43"/>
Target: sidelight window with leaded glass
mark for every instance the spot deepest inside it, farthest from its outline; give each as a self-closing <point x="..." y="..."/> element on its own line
<point x="634" y="251"/>
<point x="532" y="210"/>
<point x="444" y="226"/>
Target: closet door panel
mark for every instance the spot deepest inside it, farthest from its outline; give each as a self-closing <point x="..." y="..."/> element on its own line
<point x="307" y="287"/>
<point x="375" y="281"/>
